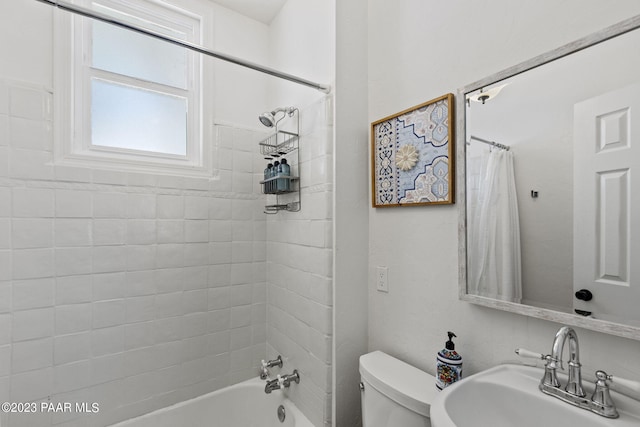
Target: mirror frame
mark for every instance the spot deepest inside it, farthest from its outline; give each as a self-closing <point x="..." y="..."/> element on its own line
<point x="608" y="327"/>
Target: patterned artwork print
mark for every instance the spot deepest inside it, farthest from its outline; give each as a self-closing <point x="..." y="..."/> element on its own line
<point x="386" y="182"/>
<point x="411" y="156"/>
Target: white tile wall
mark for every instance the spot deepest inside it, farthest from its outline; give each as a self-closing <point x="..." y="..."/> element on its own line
<point x="131" y="290"/>
<point x="299" y="276"/>
<point x="32" y="202"/>
<point x="34" y="293"/>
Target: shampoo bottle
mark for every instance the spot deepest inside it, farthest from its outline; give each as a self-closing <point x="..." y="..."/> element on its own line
<point x="275" y="170"/>
<point x="267" y="175"/>
<point x="448" y="364"/>
<point x="284" y="171"/>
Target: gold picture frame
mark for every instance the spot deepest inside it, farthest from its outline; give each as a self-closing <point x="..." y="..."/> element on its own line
<point x="413" y="156"/>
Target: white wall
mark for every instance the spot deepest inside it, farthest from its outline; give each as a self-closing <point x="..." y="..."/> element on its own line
<point x="240" y="93"/>
<point x="546" y="222"/>
<point x="351" y="188"/>
<point x="419" y="50"/>
<point x="134" y="291"/>
<point x="28" y="53"/>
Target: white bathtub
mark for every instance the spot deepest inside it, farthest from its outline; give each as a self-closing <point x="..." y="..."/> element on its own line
<point x="240" y="405"/>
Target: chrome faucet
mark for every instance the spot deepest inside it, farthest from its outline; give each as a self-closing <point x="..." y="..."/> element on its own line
<point x="282" y="381"/>
<point x="264" y="367"/>
<point x="600" y="401"/>
<point x="574" y="384"/>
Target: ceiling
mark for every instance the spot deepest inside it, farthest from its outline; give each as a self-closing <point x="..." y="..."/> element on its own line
<point x="260" y="10"/>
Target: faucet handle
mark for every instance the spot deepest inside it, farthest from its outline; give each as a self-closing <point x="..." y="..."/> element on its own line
<point x="631" y="385"/>
<point x="523" y="352"/>
<point x="266" y="364"/>
<point x="602" y="398"/>
<point x="264" y="372"/>
<point x="550" y="378"/>
<point x="271" y="363"/>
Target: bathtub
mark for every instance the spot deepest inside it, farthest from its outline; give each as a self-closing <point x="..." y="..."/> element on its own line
<point x="240" y="405"/>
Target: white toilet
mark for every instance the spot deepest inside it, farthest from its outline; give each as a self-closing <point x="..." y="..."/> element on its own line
<point x="394" y="394"/>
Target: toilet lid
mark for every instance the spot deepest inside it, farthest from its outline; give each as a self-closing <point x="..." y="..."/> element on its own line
<point x="399" y="381"/>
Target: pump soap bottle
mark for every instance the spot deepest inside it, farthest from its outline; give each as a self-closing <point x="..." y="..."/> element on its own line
<point x="448" y="364"/>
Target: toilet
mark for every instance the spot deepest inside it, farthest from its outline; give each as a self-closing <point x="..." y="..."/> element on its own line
<point x="394" y="394"/>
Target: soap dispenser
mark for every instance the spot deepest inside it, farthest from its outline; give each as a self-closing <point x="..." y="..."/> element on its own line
<point x="448" y="364"/>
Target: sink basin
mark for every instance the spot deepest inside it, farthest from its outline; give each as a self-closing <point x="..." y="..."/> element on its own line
<point x="508" y="395"/>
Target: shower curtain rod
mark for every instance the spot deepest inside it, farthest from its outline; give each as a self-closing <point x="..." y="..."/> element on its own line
<point x="493" y="143"/>
<point x="79" y="10"/>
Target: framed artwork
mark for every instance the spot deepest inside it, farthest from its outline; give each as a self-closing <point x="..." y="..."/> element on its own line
<point x="412" y="156"/>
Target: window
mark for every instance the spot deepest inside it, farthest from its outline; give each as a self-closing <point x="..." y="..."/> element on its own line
<point x="135" y="101"/>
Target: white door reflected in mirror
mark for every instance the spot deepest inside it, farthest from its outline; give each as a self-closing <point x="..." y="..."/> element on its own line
<point x="606" y="177"/>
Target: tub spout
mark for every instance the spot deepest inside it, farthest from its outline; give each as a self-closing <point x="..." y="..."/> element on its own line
<point x="272" y="385"/>
<point x="282" y="381"/>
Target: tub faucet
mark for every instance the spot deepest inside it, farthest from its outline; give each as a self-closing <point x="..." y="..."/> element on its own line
<point x="272" y="385"/>
<point x="282" y="381"/>
<point x="264" y="368"/>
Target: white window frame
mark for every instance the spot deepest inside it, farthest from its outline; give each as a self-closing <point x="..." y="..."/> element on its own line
<point x="72" y="79"/>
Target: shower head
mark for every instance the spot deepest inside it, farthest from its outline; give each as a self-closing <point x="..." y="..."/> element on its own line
<point x="269" y="118"/>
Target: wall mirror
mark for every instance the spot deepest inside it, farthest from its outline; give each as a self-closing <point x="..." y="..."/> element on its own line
<point x="549" y="185"/>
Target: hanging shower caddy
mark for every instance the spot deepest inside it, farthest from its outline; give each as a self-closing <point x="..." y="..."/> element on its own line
<point x="275" y="147"/>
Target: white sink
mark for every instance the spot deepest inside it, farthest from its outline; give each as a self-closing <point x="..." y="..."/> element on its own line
<point x="508" y="395"/>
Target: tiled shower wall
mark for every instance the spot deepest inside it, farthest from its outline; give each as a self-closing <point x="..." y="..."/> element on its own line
<point x="299" y="271"/>
<point x="131" y="290"/>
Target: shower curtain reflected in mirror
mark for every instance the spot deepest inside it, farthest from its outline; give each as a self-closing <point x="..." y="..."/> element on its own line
<point x="494" y="267"/>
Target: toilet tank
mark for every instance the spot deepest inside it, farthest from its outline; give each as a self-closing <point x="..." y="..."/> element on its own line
<point x="395" y="394"/>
